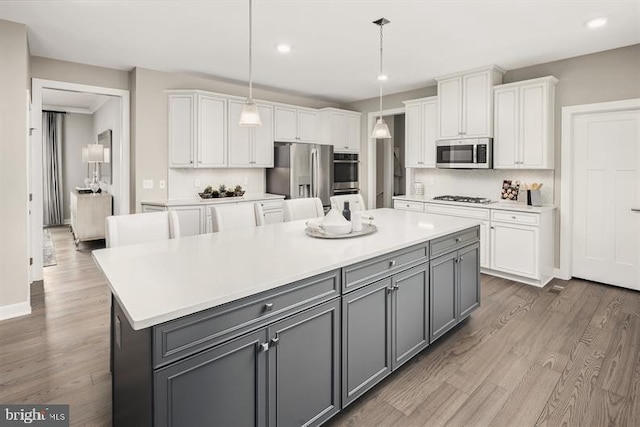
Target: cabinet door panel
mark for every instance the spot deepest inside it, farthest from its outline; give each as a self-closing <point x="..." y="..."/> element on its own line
<point x="239" y="137"/>
<point x="304" y="367"/>
<point x="307" y="126"/>
<point x="429" y="133"/>
<point x="485" y="244"/>
<point x="442" y="296"/>
<point x="273" y="217"/>
<point x="410" y="317"/>
<point x="514" y="249"/>
<point x="366" y="339"/>
<point x="181" y="130"/>
<point x="212" y="132"/>
<point x="224" y="386"/>
<point x="505" y="147"/>
<point x="353" y="133"/>
<point x="532" y="125"/>
<point x="477" y="105"/>
<point x="263" y="138"/>
<point x="469" y="280"/>
<point x="413" y="136"/>
<point x="339" y="131"/>
<point x="285" y="124"/>
<point x="450" y="107"/>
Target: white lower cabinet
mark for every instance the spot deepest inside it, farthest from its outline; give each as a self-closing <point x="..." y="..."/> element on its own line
<point x="191" y="219"/>
<point x="513" y="244"/>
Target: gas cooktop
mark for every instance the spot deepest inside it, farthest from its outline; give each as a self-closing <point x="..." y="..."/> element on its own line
<point x="464" y="199"/>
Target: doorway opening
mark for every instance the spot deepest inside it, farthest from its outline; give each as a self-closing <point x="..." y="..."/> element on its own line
<point x="73" y="115"/>
<point x="390" y="170"/>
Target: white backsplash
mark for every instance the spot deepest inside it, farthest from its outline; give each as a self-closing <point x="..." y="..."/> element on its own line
<point x="482" y="183"/>
<point x="181" y="181"/>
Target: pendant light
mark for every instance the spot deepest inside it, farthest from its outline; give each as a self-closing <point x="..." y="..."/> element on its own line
<point x="250" y="116"/>
<point x="381" y="130"/>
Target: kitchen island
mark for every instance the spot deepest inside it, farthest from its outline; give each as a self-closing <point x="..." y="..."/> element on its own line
<point x="268" y="326"/>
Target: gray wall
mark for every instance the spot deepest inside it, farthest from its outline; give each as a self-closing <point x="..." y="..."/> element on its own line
<point x="73" y="72"/>
<point x="77" y="132"/>
<point x="108" y="117"/>
<point x="14" y="255"/>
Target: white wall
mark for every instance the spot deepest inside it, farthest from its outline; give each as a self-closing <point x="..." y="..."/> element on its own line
<point x="181" y="181"/>
<point x="14" y="170"/>
<point x="77" y="132"/>
<point x="481" y="183"/>
<point x="108" y="116"/>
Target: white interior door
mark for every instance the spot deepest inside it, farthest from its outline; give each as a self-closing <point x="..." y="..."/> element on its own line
<point x="606" y="228"/>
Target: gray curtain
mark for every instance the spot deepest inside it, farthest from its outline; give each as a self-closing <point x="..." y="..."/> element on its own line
<point x="52" y="168"/>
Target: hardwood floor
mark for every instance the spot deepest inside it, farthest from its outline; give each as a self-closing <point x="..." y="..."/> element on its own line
<point x="527" y="357"/>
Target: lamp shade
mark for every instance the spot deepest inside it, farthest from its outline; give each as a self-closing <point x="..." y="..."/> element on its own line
<point x="381" y="130"/>
<point x="250" y="116"/>
<point x="107" y="156"/>
<point x="95" y="153"/>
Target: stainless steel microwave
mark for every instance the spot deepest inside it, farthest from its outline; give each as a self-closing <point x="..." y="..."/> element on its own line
<point x="472" y="153"/>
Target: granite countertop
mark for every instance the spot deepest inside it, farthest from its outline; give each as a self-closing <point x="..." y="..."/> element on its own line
<point x="199" y="201"/>
<point x="160" y="281"/>
<point x="509" y="206"/>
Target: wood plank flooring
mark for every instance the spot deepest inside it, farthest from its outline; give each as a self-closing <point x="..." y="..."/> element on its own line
<point x="527" y="357"/>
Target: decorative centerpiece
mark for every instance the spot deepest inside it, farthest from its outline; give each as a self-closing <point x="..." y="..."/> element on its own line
<point x="222" y="191"/>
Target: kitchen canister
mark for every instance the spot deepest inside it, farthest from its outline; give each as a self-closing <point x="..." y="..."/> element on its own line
<point x="418" y="189"/>
<point x="356" y="221"/>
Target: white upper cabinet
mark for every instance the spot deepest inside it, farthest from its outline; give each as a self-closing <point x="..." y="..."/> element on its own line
<point x="524" y="124"/>
<point x="250" y="147"/>
<point x="340" y="128"/>
<point x="421" y="122"/>
<point x="465" y="103"/>
<point x="197" y="130"/>
<point x="295" y="124"/>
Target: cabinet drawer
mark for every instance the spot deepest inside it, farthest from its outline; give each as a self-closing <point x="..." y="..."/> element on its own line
<point x="515" y="217"/>
<point x="193" y="333"/>
<point x="479" y="213"/>
<point x="408" y="206"/>
<point x="358" y="275"/>
<point x="452" y="242"/>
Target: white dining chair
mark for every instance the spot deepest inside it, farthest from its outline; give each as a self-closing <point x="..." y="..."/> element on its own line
<point x="356" y="202"/>
<point x="122" y="230"/>
<point x="233" y="216"/>
<point x="295" y="209"/>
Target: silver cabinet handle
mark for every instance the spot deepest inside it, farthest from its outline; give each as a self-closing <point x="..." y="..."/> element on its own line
<point x="457" y="260"/>
<point x="396" y="287"/>
<point x="392" y="263"/>
<point x="513" y="217"/>
<point x="635" y="209"/>
<point x="274" y="342"/>
<point x="268" y="306"/>
<point x="461" y="258"/>
<point x="389" y="290"/>
<point x="263" y="347"/>
<point x="457" y="240"/>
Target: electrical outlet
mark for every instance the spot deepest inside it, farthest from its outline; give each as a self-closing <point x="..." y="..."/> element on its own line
<point x="196" y="183"/>
<point x="147" y="184"/>
<point x="162" y="184"/>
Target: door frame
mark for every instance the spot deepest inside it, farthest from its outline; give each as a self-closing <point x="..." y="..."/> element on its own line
<point x="123" y="156"/>
<point x="371" y="152"/>
<point x="569" y="114"/>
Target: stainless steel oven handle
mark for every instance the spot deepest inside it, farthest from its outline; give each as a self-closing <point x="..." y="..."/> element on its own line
<point x="347" y="161"/>
<point x="347" y="191"/>
<point x="475" y="154"/>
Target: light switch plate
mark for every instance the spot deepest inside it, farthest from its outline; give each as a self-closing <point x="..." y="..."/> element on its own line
<point x="162" y="183"/>
<point x="147" y="184"/>
<point x="196" y="183"/>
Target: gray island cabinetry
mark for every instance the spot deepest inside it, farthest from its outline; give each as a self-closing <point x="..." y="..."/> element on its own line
<point x="293" y="338"/>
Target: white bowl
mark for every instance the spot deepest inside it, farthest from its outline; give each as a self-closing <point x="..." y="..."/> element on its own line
<point x="336" y="228"/>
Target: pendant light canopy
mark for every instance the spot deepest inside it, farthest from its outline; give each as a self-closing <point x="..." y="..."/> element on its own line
<point x="381" y="130"/>
<point x="250" y="116"/>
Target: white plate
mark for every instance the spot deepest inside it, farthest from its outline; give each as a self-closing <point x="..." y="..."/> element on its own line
<point x="366" y="229"/>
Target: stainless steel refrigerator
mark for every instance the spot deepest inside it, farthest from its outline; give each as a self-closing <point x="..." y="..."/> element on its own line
<point x="302" y="170"/>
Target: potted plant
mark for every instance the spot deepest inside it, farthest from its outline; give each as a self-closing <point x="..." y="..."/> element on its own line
<point x="207" y="193"/>
<point x="238" y="190"/>
<point x="222" y="189"/>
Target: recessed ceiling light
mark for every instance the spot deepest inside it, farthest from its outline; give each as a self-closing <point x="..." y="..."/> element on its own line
<point x="383" y="77"/>
<point x="596" y="23"/>
<point x="283" y="47"/>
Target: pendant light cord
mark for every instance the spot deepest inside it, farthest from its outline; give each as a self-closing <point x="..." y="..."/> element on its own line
<point x="250" y="46"/>
<point x="380" y="74"/>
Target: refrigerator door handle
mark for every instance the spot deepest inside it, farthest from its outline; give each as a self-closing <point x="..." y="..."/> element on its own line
<point x="316" y="180"/>
<point x="313" y="173"/>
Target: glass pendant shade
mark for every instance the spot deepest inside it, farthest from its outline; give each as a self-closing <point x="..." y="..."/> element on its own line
<point x="250" y="116"/>
<point x="381" y="130"/>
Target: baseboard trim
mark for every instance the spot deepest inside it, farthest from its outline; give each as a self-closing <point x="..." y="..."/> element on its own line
<point x="14" y="310"/>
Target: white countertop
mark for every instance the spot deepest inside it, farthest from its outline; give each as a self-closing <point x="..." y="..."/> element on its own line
<point x="161" y="281"/>
<point x="199" y="201"/>
<point x="509" y="206"/>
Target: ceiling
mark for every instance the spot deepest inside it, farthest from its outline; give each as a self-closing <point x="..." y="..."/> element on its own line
<point x="72" y="102"/>
<point x="335" y="46"/>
